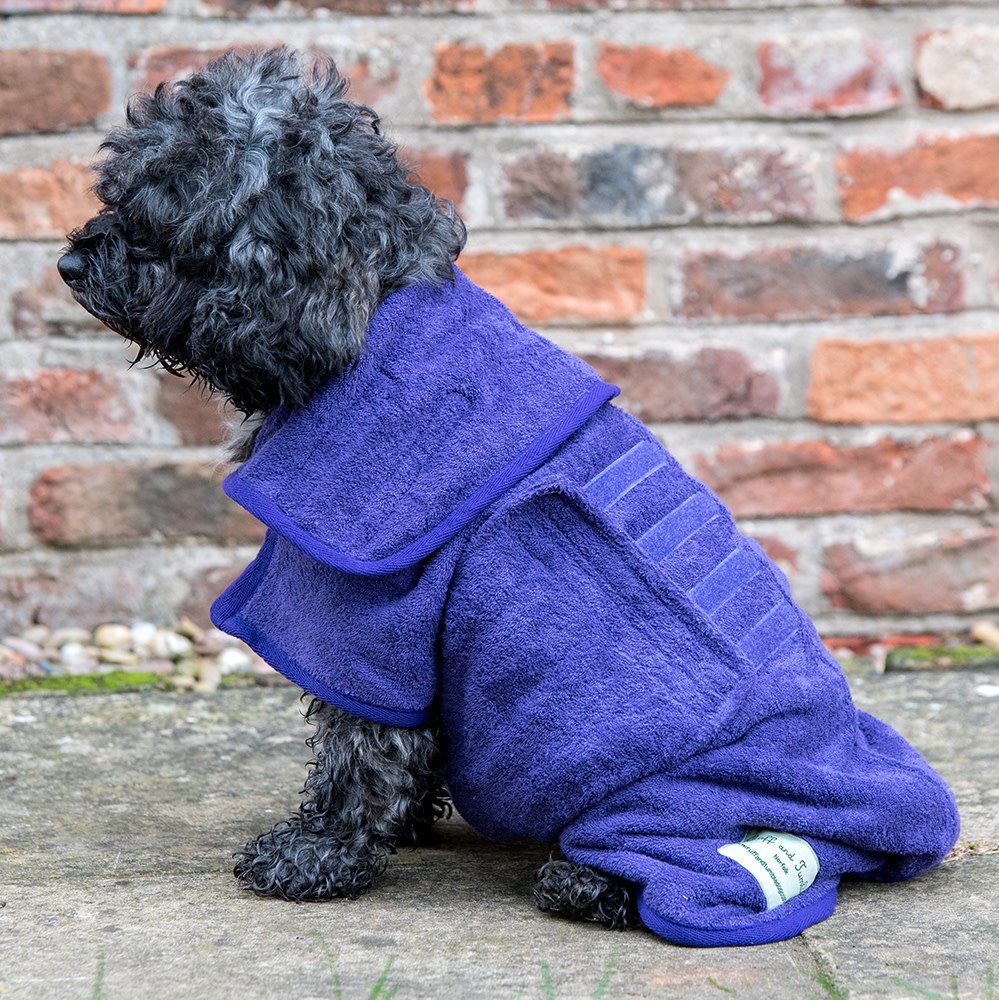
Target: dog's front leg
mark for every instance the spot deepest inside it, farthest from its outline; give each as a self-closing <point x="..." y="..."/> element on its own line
<point x="370" y="786"/>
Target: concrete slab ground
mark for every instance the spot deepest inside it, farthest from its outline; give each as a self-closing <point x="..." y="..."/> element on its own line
<point x="119" y="813"/>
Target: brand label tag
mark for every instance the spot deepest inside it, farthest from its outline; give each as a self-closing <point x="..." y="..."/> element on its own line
<point x="783" y="864"/>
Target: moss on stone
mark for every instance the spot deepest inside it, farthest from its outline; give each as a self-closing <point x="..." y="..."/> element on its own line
<point x="244" y="680"/>
<point x="116" y="680"/>
<point x="942" y="658"/>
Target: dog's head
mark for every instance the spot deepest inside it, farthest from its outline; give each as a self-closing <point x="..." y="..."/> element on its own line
<point x="253" y="219"/>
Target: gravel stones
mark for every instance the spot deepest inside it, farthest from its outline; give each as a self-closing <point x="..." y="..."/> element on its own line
<point x="192" y="657"/>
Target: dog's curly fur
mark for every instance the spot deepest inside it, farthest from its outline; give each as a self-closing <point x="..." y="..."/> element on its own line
<point x="253" y="220"/>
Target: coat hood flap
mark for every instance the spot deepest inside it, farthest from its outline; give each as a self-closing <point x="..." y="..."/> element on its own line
<point x="452" y="402"/>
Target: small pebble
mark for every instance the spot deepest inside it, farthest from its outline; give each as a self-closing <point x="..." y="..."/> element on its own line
<point x="38" y="634"/>
<point x="986" y="632"/>
<point x="78" y="668"/>
<point x="209" y="645"/>
<point x="209" y="675"/>
<point x="113" y="636"/>
<point x="194" y="657"/>
<point x="233" y="660"/>
<point x="176" y="645"/>
<point x="162" y="668"/>
<point x="118" y="657"/>
<point x="72" y="653"/>
<point x="61" y="636"/>
<point x="190" y="630"/>
<point x="187" y="668"/>
<point x="12" y="665"/>
<point x="29" y="650"/>
<point x="145" y="638"/>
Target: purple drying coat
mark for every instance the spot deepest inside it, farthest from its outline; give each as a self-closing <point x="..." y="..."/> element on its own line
<point x="464" y="525"/>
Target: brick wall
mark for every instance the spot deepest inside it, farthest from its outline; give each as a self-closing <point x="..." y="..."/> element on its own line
<point x="773" y="223"/>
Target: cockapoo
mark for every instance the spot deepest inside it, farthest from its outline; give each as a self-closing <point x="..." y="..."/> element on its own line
<point x="497" y="585"/>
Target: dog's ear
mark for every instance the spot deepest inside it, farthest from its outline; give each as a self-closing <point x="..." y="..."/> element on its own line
<point x="281" y="320"/>
<point x="322" y="221"/>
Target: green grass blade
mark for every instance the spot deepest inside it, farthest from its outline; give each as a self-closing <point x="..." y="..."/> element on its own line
<point x="606" y="977"/>
<point x="919" y="990"/>
<point x="828" y="986"/>
<point x="332" y="960"/>
<point x="378" y="990"/>
<point x="97" y="990"/>
<point x="549" y="983"/>
<point x="718" y="986"/>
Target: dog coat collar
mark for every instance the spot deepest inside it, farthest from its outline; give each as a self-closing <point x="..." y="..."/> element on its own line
<point x="452" y="403"/>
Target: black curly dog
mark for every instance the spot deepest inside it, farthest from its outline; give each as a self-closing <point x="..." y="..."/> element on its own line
<point x="253" y="220"/>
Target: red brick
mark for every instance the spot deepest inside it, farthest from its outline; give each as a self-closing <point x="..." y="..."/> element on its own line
<point x="829" y="74"/>
<point x="652" y="77"/>
<point x="45" y="202"/>
<point x="175" y="62"/>
<point x="197" y="416"/>
<point x="517" y="83"/>
<point x="816" y="477"/>
<point x="647" y="185"/>
<point x="543" y="185"/>
<point x="951" y="573"/>
<point x="75" y="597"/>
<point x="906" y="381"/>
<point x="81" y="6"/>
<point x="956" y="170"/>
<point x="43" y="91"/>
<point x="446" y="174"/>
<point x="820" y="282"/>
<point x="370" y="79"/>
<point x="571" y="284"/>
<point x="956" y="68"/>
<point x="755" y="184"/>
<point x="65" y="405"/>
<point x="88" y="504"/>
<point x="205" y="587"/>
<point x="81" y="590"/>
<point x="372" y="75"/>
<point x="45" y="308"/>
<point x="711" y="385"/>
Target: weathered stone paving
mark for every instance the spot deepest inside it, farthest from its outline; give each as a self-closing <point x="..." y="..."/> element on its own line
<point x="118" y="815"/>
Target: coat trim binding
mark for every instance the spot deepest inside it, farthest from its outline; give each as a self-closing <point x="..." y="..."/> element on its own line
<point x="265" y="510"/>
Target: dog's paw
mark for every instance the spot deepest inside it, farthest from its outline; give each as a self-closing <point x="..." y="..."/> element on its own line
<point x="303" y="865"/>
<point x="583" y="893"/>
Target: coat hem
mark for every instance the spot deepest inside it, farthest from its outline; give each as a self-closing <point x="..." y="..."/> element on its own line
<point x="225" y="616"/>
<point x="763" y="931"/>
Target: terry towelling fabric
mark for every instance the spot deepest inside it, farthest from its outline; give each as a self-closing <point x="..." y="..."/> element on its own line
<point x="465" y="524"/>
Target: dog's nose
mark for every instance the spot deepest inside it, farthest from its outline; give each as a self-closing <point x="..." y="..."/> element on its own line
<point x="70" y="267"/>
